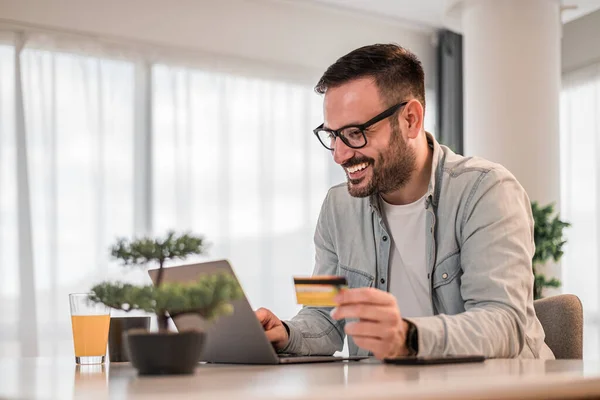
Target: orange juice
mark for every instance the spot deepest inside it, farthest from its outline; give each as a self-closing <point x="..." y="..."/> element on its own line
<point x="90" y="334"/>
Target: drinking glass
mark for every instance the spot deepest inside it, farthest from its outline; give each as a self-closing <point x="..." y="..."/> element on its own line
<point x="90" y="322"/>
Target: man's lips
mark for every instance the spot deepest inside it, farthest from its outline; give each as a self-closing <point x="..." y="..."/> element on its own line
<point x="357" y="171"/>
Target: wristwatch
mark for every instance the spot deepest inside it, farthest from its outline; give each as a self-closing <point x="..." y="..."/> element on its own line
<point x="412" y="339"/>
<point x="287" y="328"/>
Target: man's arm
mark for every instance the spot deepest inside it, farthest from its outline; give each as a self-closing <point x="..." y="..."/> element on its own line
<point x="496" y="251"/>
<point x="313" y="331"/>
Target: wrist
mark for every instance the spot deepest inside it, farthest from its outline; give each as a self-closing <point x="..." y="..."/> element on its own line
<point x="287" y="330"/>
<point x="412" y="339"/>
<point x="283" y="344"/>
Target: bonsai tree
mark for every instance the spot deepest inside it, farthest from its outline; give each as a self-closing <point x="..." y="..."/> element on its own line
<point x="208" y="297"/>
<point x="549" y="241"/>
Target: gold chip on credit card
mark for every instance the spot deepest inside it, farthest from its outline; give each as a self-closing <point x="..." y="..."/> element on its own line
<point x="319" y="290"/>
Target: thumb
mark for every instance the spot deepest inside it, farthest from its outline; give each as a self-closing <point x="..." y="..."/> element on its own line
<point x="262" y="315"/>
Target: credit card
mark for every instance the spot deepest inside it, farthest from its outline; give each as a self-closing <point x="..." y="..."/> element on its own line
<point x="318" y="291"/>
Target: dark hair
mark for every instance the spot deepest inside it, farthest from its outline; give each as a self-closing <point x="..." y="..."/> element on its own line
<point x="397" y="72"/>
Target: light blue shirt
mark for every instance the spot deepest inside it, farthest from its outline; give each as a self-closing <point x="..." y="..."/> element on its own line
<point x="479" y="244"/>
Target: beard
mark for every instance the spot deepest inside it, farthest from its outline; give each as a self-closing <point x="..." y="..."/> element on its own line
<point x="391" y="171"/>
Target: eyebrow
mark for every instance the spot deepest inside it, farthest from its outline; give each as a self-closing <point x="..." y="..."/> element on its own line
<point x="354" y="124"/>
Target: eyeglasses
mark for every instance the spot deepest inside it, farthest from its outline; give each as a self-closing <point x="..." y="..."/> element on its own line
<point x="352" y="135"/>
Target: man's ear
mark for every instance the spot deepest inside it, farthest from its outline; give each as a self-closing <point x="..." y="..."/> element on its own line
<point x="413" y="115"/>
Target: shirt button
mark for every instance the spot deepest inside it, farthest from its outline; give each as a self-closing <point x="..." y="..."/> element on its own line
<point x="445" y="275"/>
<point x="384" y="238"/>
<point x="382" y="280"/>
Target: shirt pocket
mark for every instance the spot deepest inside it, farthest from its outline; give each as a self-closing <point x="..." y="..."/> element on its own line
<point x="355" y="277"/>
<point x="446" y="285"/>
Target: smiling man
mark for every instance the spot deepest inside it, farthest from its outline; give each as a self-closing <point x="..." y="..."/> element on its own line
<point x="436" y="247"/>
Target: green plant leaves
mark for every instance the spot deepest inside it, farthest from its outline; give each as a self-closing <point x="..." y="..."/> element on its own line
<point x="124" y="296"/>
<point x="209" y="296"/>
<point x="144" y="250"/>
<point x="548" y="234"/>
<point x="549" y="242"/>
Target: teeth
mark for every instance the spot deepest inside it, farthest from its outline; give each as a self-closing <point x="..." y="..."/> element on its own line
<point x="356" y="168"/>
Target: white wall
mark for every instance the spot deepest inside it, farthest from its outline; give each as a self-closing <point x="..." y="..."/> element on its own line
<point x="581" y="42"/>
<point x="286" y="33"/>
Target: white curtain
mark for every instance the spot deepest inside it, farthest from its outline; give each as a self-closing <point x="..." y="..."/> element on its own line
<point x="116" y="148"/>
<point x="67" y="179"/>
<point x="9" y="263"/>
<point x="580" y="202"/>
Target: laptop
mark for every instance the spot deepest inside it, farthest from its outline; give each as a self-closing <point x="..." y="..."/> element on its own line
<point x="237" y="338"/>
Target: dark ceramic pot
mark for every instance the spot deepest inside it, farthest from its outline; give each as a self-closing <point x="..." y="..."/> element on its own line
<point x="117" y="342"/>
<point x="165" y="353"/>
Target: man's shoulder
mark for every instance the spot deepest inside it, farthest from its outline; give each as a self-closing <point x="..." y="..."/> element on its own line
<point x="339" y="191"/>
<point x="466" y="179"/>
<point x="473" y="168"/>
<point x="340" y="199"/>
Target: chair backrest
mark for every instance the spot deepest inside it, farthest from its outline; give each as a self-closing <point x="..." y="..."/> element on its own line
<point x="562" y="319"/>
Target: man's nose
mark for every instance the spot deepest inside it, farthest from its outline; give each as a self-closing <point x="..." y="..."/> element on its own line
<point x="341" y="152"/>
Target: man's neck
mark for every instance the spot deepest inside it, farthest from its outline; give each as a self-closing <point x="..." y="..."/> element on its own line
<point x="418" y="183"/>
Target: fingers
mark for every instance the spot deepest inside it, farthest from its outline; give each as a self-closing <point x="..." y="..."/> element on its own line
<point x="380" y="328"/>
<point x="368" y="330"/>
<point x="263" y="315"/>
<point x="267" y="319"/>
<point x="376" y="346"/>
<point x="367" y="312"/>
<point x="276" y="333"/>
<point x="365" y="296"/>
<point x="382" y="339"/>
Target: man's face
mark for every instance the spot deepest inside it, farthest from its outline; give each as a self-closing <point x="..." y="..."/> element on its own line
<point x="386" y="162"/>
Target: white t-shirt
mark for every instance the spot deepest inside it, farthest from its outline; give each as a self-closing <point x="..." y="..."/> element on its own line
<point x="407" y="274"/>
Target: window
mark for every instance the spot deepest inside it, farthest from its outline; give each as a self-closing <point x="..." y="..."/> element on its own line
<point x="231" y="157"/>
<point x="580" y="201"/>
<point x="77" y="169"/>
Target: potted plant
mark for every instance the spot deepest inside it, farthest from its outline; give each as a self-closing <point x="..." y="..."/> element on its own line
<point x="166" y="352"/>
<point x="549" y="241"/>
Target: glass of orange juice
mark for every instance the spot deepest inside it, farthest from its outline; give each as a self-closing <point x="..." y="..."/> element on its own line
<point x="90" y="322"/>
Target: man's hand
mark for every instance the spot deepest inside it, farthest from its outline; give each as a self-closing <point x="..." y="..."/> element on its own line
<point x="276" y="332"/>
<point x="380" y="328"/>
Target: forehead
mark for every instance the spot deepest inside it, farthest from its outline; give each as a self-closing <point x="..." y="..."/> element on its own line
<point x="352" y="103"/>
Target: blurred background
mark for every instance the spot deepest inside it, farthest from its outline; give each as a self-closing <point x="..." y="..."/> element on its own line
<point x="129" y="118"/>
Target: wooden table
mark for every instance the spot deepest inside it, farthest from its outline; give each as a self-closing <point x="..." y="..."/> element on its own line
<point x="43" y="378"/>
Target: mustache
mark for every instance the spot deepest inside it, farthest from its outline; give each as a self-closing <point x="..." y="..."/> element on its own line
<point x="356" y="161"/>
